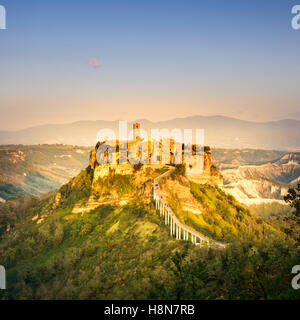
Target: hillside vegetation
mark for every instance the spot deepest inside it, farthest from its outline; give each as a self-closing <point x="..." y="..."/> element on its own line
<point x="125" y="251"/>
<point x="210" y="211"/>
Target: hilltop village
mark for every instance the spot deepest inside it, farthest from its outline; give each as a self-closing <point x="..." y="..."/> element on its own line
<point x="203" y="173"/>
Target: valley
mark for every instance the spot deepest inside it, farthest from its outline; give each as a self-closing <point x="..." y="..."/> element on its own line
<point x="35" y="170"/>
<point x="265" y="183"/>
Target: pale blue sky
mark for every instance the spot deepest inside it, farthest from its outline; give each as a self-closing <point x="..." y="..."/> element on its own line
<point x="159" y="60"/>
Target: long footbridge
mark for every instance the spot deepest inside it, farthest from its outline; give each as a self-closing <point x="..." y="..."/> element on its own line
<point x="178" y="229"/>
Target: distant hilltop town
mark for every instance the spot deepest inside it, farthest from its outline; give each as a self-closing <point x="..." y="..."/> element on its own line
<point x="176" y="153"/>
<point x="111" y="157"/>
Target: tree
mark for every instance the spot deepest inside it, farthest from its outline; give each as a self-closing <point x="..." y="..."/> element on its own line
<point x="293" y="198"/>
<point x="178" y="269"/>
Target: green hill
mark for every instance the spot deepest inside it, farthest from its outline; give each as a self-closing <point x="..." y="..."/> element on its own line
<point x="124" y="251"/>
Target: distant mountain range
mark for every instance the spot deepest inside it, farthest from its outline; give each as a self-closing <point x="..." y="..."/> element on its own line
<point x="220" y="131"/>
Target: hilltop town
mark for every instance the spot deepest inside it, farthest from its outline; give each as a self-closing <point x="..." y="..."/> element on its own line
<point x="200" y="170"/>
